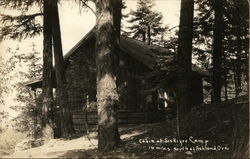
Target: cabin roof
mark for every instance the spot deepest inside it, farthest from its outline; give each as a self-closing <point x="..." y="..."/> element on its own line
<point x="135" y="48"/>
<point x="36" y="83"/>
<point x="148" y="55"/>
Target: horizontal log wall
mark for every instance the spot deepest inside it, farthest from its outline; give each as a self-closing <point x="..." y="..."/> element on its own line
<point x="130" y="82"/>
<point x="83" y="121"/>
<point x="81" y="77"/>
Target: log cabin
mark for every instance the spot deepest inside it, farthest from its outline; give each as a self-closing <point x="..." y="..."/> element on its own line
<point x="142" y="99"/>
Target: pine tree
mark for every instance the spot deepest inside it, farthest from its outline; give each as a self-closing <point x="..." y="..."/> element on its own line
<point x="5" y="69"/>
<point x="47" y="87"/>
<point x="217" y="50"/>
<point x="22" y="26"/>
<point x="62" y="96"/>
<point x="184" y="55"/>
<point x="146" y="23"/>
<point x="30" y="110"/>
<point x="234" y="42"/>
<point x="107" y="95"/>
<point x="237" y="42"/>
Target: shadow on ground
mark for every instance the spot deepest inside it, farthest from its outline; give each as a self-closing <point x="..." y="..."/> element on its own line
<point x="218" y="124"/>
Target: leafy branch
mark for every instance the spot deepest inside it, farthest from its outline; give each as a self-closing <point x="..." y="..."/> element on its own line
<point x="20" y="27"/>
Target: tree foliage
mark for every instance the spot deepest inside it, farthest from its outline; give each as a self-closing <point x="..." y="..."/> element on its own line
<point x="21" y="5"/>
<point x="146" y="23"/>
<point x="26" y="102"/>
<point x="4" y="79"/>
<point x="234" y="42"/>
<point x="23" y="25"/>
<point x="28" y="25"/>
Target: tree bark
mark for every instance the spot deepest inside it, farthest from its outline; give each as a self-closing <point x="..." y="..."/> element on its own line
<point x="144" y="37"/>
<point x="117" y="28"/>
<point x="238" y="64"/>
<point x="117" y="13"/>
<point x="217" y="52"/>
<point x="149" y="35"/>
<point x="107" y="96"/>
<point x="184" y="56"/>
<point x="62" y="95"/>
<point x="225" y="86"/>
<point x="47" y="94"/>
<point x="225" y="78"/>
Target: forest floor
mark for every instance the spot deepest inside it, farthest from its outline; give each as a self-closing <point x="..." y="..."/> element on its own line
<point x="206" y="132"/>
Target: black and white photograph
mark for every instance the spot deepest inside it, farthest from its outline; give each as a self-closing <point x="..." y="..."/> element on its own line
<point x="126" y="79"/>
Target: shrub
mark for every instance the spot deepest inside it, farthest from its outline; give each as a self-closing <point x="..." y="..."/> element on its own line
<point x="8" y="140"/>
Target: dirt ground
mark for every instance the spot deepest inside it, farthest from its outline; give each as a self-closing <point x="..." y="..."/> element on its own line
<point x="134" y="138"/>
<point x="205" y="132"/>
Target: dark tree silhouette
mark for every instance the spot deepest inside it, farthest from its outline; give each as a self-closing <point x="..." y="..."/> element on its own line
<point x="61" y="90"/>
<point x="217" y="51"/>
<point x="184" y="55"/>
<point x="47" y="88"/>
<point x="234" y="44"/>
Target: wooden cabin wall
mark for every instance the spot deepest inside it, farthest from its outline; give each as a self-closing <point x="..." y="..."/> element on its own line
<point x="81" y="76"/>
<point x="81" y="81"/>
<point x="131" y="84"/>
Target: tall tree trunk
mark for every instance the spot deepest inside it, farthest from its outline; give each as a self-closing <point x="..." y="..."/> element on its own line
<point x="107" y="96"/>
<point x="143" y="36"/>
<point x="184" y="55"/>
<point x="217" y="52"/>
<point x="225" y="86"/>
<point x="62" y="95"/>
<point x="47" y="88"/>
<point x="225" y="77"/>
<point x="117" y="13"/>
<point x="149" y="34"/>
<point x="238" y="63"/>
